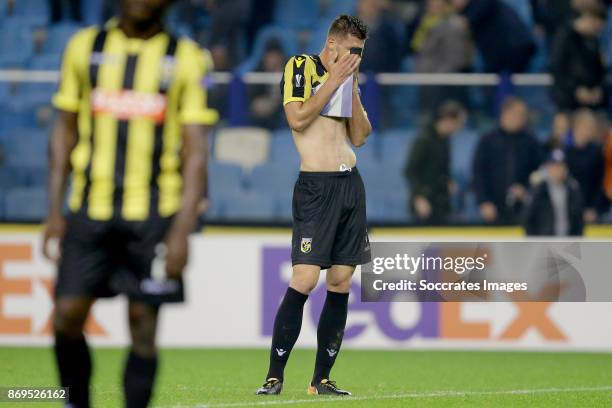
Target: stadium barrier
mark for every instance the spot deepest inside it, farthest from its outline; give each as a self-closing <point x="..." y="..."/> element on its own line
<point x="255" y="268"/>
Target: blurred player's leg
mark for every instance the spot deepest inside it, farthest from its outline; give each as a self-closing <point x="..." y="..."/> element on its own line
<point x="71" y="350"/>
<point x="331" y="328"/>
<point x="288" y="323"/>
<point x="141" y="364"/>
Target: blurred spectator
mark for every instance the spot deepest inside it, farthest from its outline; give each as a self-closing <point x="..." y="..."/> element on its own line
<point x="228" y="31"/>
<point x="503" y="162"/>
<point x="266" y="101"/>
<point x="442" y="43"/>
<point x="428" y="167"/>
<point x="65" y="10"/>
<point x="555" y="206"/>
<point x="550" y="15"/>
<point x="382" y="52"/>
<point x="584" y="158"/>
<point x="260" y="16"/>
<point x="559" y="132"/>
<point x="576" y="62"/>
<point x="504" y="41"/>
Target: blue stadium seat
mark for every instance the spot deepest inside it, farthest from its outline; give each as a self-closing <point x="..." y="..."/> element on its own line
<point x="46" y="62"/>
<point x="11" y="118"/>
<point x="273" y="178"/>
<point x="396" y="145"/>
<point x="37" y="176"/>
<point x="34" y="94"/>
<point x="224" y="180"/>
<point x="282" y="149"/>
<point x="251" y="206"/>
<point x="383" y="181"/>
<point x="369" y="152"/>
<point x="57" y="37"/>
<point x="2" y="198"/>
<point x="15" y="31"/>
<point x="35" y="12"/>
<point x="26" y="147"/>
<point x="387" y="210"/>
<point x="26" y="204"/>
<point x="13" y="177"/>
<point x="298" y="14"/>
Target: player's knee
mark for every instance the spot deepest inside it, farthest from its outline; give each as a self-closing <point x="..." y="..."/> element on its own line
<point x="68" y="321"/>
<point x="340" y="286"/>
<point x="303" y="285"/>
<point x="143" y="325"/>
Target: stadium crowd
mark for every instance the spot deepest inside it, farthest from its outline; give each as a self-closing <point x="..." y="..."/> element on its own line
<point x="474" y="154"/>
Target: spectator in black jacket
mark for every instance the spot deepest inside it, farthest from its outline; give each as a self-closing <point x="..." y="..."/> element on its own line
<point x="555" y="206"/>
<point x="576" y="63"/>
<point x="585" y="160"/>
<point x="504" y="160"/>
<point x="428" y="167"/>
<point x="503" y="39"/>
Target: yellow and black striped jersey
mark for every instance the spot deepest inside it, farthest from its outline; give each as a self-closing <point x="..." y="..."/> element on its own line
<point x="302" y="77"/>
<point x="132" y="96"/>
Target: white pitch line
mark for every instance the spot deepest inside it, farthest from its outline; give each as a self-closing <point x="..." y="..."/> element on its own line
<point x="433" y="394"/>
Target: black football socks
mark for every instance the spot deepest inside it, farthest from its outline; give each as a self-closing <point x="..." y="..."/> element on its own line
<point x="138" y="380"/>
<point x="74" y="365"/>
<point x="287" y="325"/>
<point x="330" y="333"/>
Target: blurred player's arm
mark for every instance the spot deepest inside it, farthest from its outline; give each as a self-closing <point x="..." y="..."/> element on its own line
<point x="359" y="127"/>
<point x="63" y="139"/>
<point x="196" y="119"/>
<point x="195" y="178"/>
<point x="300" y="112"/>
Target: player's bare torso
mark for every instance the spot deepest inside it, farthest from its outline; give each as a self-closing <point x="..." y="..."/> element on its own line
<point x="324" y="145"/>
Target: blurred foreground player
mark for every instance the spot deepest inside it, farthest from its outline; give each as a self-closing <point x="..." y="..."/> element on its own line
<point x="324" y="111"/>
<point x="132" y="131"/>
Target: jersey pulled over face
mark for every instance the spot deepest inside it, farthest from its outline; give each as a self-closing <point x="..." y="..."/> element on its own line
<point x="132" y="96"/>
<point x="324" y="145"/>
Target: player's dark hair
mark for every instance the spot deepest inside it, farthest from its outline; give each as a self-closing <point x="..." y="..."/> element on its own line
<point x="450" y="110"/>
<point x="348" y="25"/>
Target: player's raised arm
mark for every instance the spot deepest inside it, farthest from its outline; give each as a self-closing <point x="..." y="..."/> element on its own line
<point x="300" y="114"/>
<point x="359" y="127"/>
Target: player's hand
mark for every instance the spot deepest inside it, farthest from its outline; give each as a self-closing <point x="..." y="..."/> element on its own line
<point x="488" y="211"/>
<point x="176" y="257"/>
<point x="55" y="226"/>
<point x="422" y="207"/>
<point x="343" y="68"/>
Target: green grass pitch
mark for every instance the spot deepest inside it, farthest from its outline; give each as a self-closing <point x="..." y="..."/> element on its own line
<point x="228" y="378"/>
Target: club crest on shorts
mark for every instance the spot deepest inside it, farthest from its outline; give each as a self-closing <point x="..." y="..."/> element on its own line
<point x="306" y="245"/>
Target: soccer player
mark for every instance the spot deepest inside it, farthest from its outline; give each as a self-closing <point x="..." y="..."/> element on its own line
<point x="132" y="131"/>
<point x="329" y="214"/>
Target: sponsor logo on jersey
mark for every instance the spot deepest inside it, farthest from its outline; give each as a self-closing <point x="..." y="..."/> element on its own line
<point x="127" y="104"/>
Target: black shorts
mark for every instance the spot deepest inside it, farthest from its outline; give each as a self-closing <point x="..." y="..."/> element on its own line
<point x="329" y="219"/>
<point x="105" y="258"/>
